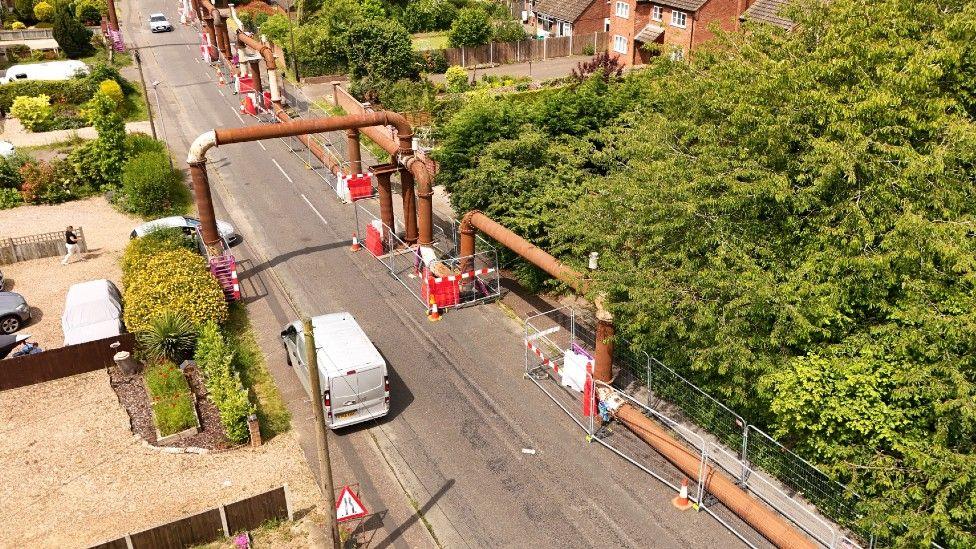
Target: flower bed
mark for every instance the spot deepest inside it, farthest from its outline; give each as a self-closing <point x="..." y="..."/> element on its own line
<point x="173" y="404"/>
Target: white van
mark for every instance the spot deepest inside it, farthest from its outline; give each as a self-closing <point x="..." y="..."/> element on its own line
<point x="354" y="377"/>
<point x="50" y="70"/>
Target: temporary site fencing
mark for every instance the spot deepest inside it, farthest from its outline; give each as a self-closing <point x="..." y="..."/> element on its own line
<point x="721" y="438"/>
<point x="527" y="50"/>
<point x="433" y="274"/>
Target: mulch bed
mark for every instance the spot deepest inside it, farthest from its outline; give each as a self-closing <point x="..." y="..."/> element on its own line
<point x="132" y="394"/>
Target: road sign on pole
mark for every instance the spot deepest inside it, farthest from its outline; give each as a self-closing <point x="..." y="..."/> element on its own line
<point x="348" y="506"/>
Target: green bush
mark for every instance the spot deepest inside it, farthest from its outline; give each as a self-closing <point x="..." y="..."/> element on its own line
<point x="88" y="12"/>
<point x="151" y="188"/>
<point x="276" y="28"/>
<point x="428" y="15"/>
<point x="43" y="11"/>
<point x="509" y="30"/>
<point x="10" y="198"/>
<point x="138" y="143"/>
<point x="171" y="399"/>
<point x="215" y="358"/>
<point x="380" y="50"/>
<point x="176" y="281"/>
<point x="139" y="250"/>
<point x="35" y="113"/>
<point x="73" y="37"/>
<point x="112" y="89"/>
<point x="17" y="25"/>
<point x="431" y="61"/>
<point x="9" y="175"/>
<point x="168" y="336"/>
<point x="457" y="79"/>
<point x="472" y="27"/>
<point x="108" y="149"/>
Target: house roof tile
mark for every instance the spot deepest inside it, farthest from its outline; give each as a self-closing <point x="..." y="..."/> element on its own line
<point x="768" y="11"/>
<point x="564" y="10"/>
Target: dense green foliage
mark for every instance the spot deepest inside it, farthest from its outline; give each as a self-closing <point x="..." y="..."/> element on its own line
<point x="35" y="113"/>
<point x="456" y="79"/>
<point x="174" y="281"/>
<point x="151" y="188"/>
<point x="74" y="91"/>
<point x="380" y="49"/>
<point x="141" y="249"/>
<point x="471" y="27"/>
<point x="509" y="31"/>
<point x="72" y="35"/>
<point x="43" y="11"/>
<point x="89" y="12"/>
<point x="172" y="402"/>
<point x="215" y="358"/>
<point x="789" y="223"/>
<point x="168" y="337"/>
<point x="102" y="158"/>
<point x="428" y="15"/>
<point x="276" y="28"/>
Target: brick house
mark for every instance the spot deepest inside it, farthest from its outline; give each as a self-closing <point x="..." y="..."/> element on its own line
<point x="678" y="25"/>
<point x="568" y="17"/>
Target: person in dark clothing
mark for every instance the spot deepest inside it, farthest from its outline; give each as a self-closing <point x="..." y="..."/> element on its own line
<point x="71" y="243"/>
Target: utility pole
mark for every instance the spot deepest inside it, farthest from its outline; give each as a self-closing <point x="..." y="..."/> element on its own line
<point x="321" y="435"/>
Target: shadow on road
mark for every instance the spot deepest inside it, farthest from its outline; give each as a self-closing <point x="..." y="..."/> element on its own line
<point x="416" y="516"/>
<point x="275" y="261"/>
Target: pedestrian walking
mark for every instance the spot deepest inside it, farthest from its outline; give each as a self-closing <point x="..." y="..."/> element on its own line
<point x="71" y="243"/>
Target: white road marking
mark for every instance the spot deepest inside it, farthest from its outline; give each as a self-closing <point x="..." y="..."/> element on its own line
<point x="280" y="169"/>
<point x="260" y="144"/>
<point x="237" y="114"/>
<point x="313" y="209"/>
<point x="221" y="92"/>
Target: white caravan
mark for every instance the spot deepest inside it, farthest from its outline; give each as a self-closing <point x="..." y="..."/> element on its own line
<point x="51" y="70"/>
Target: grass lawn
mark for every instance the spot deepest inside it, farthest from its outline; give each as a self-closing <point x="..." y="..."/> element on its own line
<point x="429" y="41"/>
<point x="249" y="362"/>
<point x="135" y="104"/>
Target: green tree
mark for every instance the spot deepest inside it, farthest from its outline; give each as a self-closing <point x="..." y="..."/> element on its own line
<point x="151" y="188"/>
<point x="24" y="9"/>
<point x="509" y="30"/>
<point x="428" y="15"/>
<point x="456" y="79"/>
<point x="381" y="51"/>
<point x="471" y="27"/>
<point x="107" y="150"/>
<point x="89" y="11"/>
<point x="72" y="35"/>
<point x="276" y="28"/>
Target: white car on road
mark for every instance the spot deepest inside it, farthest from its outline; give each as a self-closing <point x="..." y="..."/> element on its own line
<point x="226" y="230"/>
<point x="158" y="23"/>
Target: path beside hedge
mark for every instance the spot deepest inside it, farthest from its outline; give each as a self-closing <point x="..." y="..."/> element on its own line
<point x="14" y="132"/>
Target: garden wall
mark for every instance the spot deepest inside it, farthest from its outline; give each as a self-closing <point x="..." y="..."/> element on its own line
<point x="36" y="246"/>
<point x="62" y="362"/>
<point x="210" y="525"/>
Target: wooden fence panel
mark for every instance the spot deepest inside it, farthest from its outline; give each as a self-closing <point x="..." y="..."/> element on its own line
<point x="252" y="512"/>
<point x="114" y="544"/>
<point x="62" y="362"/>
<point x="193" y="530"/>
<point x="504" y="53"/>
<point x="558" y="47"/>
<point x="36" y="246"/>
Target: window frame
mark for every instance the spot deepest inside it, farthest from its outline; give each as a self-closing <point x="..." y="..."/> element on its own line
<point x="675" y="14"/>
<point x="618" y="39"/>
<point x="657" y="13"/>
<point x="626" y="9"/>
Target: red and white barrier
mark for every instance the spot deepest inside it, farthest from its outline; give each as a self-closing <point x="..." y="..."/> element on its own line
<point x="545" y="360"/>
<point x="463" y="276"/>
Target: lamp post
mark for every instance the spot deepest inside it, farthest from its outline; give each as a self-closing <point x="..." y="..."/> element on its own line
<point x="159" y="110"/>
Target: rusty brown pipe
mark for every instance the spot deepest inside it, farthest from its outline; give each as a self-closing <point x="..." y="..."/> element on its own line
<point x="353" y="151"/>
<point x="261" y="48"/>
<point x="255" y="73"/>
<point x="385" y="192"/>
<point x="772" y="526"/>
<point x="204" y="202"/>
<point x="208" y="27"/>
<point x="474" y="221"/>
<point x="113" y="17"/>
<point x="307" y="140"/>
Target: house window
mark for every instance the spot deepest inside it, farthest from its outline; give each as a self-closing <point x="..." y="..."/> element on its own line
<point x="679" y="19"/>
<point x="656" y="13"/>
<point x="606" y="25"/>
<point x="566" y="29"/>
<point x="623" y="10"/>
<point x="619" y="44"/>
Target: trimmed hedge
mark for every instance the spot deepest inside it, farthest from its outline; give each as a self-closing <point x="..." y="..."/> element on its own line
<point x="175" y="281"/>
<point x="215" y="358"/>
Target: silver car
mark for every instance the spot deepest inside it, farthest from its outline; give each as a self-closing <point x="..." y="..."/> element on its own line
<point x="14" y="312"/>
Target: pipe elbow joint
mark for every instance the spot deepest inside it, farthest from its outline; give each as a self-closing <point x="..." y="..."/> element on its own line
<point x="200" y="146"/>
<point x="467" y="226"/>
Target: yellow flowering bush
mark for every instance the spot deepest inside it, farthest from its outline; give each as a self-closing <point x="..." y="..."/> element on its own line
<point x="174" y="281"/>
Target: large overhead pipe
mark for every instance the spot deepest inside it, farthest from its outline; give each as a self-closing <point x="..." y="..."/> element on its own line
<point x="474" y="221"/>
<point x="385" y="191"/>
<point x="264" y="50"/>
<point x="216" y="27"/>
<point x="768" y="523"/>
<point x="197" y="160"/>
<point x="353" y="151"/>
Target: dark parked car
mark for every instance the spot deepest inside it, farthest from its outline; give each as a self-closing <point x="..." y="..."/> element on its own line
<point x="14" y="312"/>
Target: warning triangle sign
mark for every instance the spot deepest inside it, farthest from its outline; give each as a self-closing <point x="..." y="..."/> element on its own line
<point x="348" y="506"/>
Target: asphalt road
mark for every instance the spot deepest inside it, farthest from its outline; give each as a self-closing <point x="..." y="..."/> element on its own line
<point x="461" y="411"/>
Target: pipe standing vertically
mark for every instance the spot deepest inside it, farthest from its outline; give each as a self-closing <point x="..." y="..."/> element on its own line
<point x="474" y="221"/>
<point x="353" y="151"/>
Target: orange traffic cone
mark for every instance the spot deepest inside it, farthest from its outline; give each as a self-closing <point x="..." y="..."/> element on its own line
<point x="433" y="314"/>
<point x="681" y="501"/>
<point x="355" y="244"/>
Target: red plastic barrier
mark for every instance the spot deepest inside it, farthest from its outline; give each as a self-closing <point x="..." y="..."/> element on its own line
<point x="446" y="292"/>
<point x="374" y="240"/>
<point x="360" y="186"/>
<point x="249" y="106"/>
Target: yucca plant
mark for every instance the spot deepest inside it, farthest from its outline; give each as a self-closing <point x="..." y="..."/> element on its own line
<point x="168" y="336"/>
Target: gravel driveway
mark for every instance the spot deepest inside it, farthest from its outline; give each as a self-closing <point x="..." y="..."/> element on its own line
<point x="44" y="282"/>
<point x="72" y="475"/>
